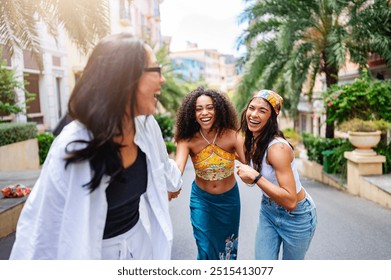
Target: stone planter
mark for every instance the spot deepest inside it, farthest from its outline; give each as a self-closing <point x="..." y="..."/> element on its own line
<point x="294" y="143"/>
<point x="364" y="142"/>
<point x="20" y="156"/>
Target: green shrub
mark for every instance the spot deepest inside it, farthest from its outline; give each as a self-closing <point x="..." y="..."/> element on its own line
<point x="166" y="124"/>
<point x="385" y="149"/>
<point x="291" y="133"/>
<point x="316" y="145"/>
<point x="16" y="132"/>
<point x="9" y="82"/>
<point x="171" y="147"/>
<point x="45" y="140"/>
<point x="337" y="162"/>
<point x="355" y="125"/>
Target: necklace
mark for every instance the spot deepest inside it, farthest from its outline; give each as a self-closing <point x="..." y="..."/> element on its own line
<point x="207" y="139"/>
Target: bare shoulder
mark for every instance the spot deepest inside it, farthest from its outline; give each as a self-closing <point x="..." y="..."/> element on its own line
<point x="280" y="152"/>
<point x="186" y="143"/>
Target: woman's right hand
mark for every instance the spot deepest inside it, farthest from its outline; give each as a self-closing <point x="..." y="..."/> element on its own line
<point x="246" y="173"/>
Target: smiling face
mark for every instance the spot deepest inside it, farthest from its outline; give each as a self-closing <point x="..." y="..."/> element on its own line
<point x="148" y="87"/>
<point x="257" y="115"/>
<point x="205" y="112"/>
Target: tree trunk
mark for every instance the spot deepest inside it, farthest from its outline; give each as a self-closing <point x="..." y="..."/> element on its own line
<point x="331" y="73"/>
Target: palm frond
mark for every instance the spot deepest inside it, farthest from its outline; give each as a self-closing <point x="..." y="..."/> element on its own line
<point x="337" y="48"/>
<point x="22" y="35"/>
<point x="309" y="37"/>
<point x="84" y="20"/>
<point x="260" y="57"/>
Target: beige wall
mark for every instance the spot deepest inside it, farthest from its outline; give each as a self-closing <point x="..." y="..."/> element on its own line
<point x="140" y="18"/>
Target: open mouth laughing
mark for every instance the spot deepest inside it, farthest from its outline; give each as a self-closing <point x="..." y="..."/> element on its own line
<point x="205" y="120"/>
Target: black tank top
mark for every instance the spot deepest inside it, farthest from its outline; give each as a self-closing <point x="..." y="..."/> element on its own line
<point x="123" y="197"/>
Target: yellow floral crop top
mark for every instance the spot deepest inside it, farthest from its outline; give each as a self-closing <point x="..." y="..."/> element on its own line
<point x="213" y="163"/>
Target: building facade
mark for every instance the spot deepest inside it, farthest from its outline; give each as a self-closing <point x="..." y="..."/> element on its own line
<point x="217" y="70"/>
<point x="48" y="81"/>
<point x="63" y="63"/>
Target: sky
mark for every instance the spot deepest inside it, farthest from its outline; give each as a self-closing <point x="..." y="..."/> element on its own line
<point x="211" y="24"/>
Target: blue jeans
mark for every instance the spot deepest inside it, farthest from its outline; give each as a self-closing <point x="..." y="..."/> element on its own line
<point x="293" y="229"/>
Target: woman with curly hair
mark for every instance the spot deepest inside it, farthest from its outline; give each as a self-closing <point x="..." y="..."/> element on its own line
<point x="288" y="214"/>
<point x="206" y="129"/>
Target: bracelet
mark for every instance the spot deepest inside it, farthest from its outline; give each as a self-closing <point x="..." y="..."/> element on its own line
<point x="256" y="179"/>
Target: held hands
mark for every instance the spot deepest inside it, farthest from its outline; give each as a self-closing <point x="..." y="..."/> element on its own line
<point x="246" y="173"/>
<point x="173" y="195"/>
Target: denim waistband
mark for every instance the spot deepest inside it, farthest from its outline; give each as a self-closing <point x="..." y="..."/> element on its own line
<point x="267" y="200"/>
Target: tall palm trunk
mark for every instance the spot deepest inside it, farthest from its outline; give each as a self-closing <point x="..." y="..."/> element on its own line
<point x="331" y="73"/>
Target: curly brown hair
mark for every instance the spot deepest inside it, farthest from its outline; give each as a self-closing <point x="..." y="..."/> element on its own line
<point x="186" y="123"/>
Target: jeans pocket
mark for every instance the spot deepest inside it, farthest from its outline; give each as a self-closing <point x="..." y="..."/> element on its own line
<point x="302" y="208"/>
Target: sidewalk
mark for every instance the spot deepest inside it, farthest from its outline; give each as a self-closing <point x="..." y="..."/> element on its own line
<point x="10" y="207"/>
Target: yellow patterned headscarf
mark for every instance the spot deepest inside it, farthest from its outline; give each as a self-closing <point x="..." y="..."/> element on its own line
<point x="274" y="98"/>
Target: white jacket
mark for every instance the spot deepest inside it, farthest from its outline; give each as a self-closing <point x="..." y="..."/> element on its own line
<point x="63" y="220"/>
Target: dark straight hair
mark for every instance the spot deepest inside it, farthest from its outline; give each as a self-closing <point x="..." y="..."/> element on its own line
<point x="99" y="101"/>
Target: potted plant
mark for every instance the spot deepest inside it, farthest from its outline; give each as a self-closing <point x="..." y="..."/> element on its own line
<point x="363" y="134"/>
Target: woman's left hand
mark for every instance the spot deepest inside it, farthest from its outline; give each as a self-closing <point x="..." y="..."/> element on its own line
<point x="173" y="195"/>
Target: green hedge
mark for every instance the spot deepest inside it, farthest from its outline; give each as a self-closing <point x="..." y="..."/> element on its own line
<point x="316" y="145"/>
<point x="384" y="149"/>
<point x="16" y="132"/>
<point x="337" y="162"/>
<point x="171" y="147"/>
<point x="45" y="140"/>
<point x="166" y="124"/>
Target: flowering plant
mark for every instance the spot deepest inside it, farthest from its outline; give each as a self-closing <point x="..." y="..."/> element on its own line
<point x="364" y="99"/>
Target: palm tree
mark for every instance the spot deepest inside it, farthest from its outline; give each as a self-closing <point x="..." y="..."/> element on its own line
<point x="171" y="93"/>
<point x="291" y="42"/>
<point x="84" y="20"/>
<point x="175" y="87"/>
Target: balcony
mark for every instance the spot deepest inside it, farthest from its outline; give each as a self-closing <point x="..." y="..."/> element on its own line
<point x="375" y="60"/>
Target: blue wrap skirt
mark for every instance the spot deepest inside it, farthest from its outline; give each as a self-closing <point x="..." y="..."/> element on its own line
<point x="215" y="220"/>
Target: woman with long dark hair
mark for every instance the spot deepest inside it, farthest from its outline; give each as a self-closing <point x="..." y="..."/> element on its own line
<point x="288" y="214"/>
<point x="206" y="130"/>
<point x="103" y="189"/>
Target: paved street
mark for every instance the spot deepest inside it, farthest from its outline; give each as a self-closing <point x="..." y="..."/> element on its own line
<point x="349" y="227"/>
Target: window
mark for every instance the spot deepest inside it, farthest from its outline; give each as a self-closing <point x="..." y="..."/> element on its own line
<point x="124" y="10"/>
<point x="303" y="122"/>
<point x="34" y="113"/>
<point x="58" y="95"/>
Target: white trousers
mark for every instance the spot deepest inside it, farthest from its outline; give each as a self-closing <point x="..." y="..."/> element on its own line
<point x="134" y="244"/>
